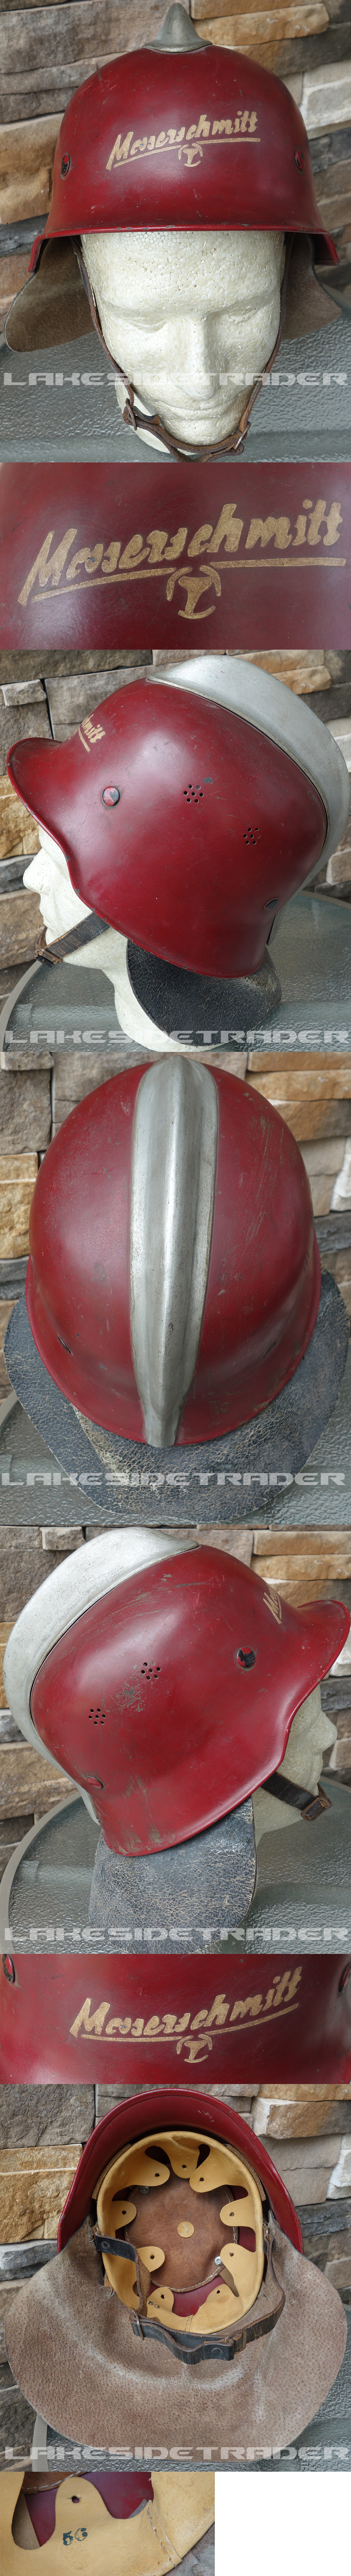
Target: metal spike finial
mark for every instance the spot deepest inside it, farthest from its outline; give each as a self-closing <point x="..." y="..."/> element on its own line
<point x="178" y="35"/>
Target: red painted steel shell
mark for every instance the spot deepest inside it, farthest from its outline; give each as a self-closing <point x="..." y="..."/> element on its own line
<point x="139" y="2118"/>
<point x="69" y="561"/>
<point x="263" y="1283"/>
<point x="237" y="821"/>
<point x="147" y="1685"/>
<point x="152" y="2020"/>
<point x="198" y="141"/>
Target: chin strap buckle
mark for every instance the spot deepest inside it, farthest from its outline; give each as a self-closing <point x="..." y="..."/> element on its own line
<point x="315" y="1806"/>
<point x="310" y="1806"/>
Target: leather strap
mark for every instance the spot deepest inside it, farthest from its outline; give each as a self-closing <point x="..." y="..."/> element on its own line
<point x="129" y="2253"/>
<point x="79" y="937"/>
<point x="135" y="419"/>
<point x="195" y="2348"/>
<point x="292" y="1796"/>
<point x="191" y="2348"/>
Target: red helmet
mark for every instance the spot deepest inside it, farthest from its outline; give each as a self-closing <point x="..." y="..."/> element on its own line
<point x="222" y="768"/>
<point x="196" y="137"/>
<point x="180" y="135"/>
<point x="193" y="2113"/>
<point x="266" y="2329"/>
<point x="121" y="2020"/>
<point x="174" y="1274"/>
<point x="200" y="1670"/>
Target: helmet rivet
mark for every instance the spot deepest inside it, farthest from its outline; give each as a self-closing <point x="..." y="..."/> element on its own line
<point x="345" y="1978"/>
<point x="65" y="164"/>
<point x="110" y="796"/>
<point x="246" y="1657"/>
<point x="300" y="160"/>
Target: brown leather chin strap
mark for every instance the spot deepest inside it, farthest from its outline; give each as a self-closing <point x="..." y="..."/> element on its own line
<point x="79" y="937"/>
<point x="121" y="2245"/>
<point x="208" y="2347"/>
<point x="142" y="420"/>
<point x="310" y="1806"/>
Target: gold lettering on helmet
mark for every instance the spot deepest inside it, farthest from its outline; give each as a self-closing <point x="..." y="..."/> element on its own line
<point x="247" y="545"/>
<point x="47" y="567"/>
<point x="217" y="2015"/>
<point x="195" y="2037"/>
<point x="90" y="556"/>
<point x="273" y="1603"/>
<point x="193" y="586"/>
<point x="120" y="150"/>
<point x="95" y="732"/>
<point x="197" y="132"/>
<point x="139" y="147"/>
<point x="222" y="130"/>
<point x="190" y="153"/>
<point x="89" y="2022"/>
<point x="265" y="532"/>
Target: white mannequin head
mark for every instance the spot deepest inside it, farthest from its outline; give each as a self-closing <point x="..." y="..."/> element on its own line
<point x="191" y="318"/>
<point x="310" y="1734"/>
<point x="48" y="876"/>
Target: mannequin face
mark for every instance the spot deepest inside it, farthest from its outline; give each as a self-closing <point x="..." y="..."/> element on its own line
<point x="310" y="1734"/>
<point x="48" y="876"/>
<point x="181" y="311"/>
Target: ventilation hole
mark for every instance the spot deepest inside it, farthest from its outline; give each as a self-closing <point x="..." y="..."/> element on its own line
<point x="194" y="794"/>
<point x="64" y="1346"/>
<point x="164" y="2160"/>
<point x="150" y="1672"/>
<point x="246" y="1659"/>
<point x="252" y="834"/>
